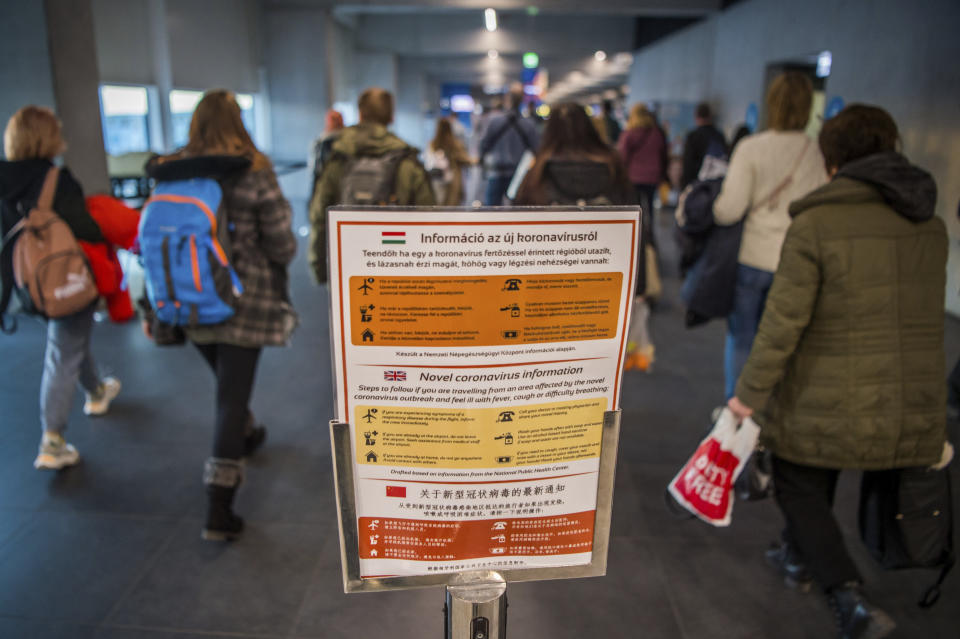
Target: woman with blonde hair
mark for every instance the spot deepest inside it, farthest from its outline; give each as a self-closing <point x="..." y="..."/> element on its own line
<point x="31" y="141"/>
<point x="643" y="149"/>
<point x="767" y="171"/>
<point x="446" y="158"/>
<point x="262" y="245"/>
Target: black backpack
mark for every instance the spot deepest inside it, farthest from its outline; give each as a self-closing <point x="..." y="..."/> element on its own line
<point x="906" y="521"/>
<point x="371" y="180"/>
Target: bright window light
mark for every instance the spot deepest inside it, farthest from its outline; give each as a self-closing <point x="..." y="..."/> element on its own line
<point x="490" y="18"/>
<point x="245" y="100"/>
<point x="120" y="100"/>
<point x="824" y="62"/>
<point x="461" y="103"/>
<point x="182" y="101"/>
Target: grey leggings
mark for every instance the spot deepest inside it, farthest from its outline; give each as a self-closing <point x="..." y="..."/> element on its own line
<point x="67" y="361"/>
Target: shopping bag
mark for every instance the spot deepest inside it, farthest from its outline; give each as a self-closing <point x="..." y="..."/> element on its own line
<point x="704" y="486"/>
<point x="756" y="479"/>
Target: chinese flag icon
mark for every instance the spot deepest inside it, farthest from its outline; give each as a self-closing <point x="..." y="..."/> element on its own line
<point x="396" y="491"/>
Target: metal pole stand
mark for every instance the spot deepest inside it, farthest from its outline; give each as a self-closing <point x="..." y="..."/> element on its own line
<point x="476" y="606"/>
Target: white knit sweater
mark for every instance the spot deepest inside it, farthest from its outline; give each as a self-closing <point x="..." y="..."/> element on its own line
<point x="759" y="165"/>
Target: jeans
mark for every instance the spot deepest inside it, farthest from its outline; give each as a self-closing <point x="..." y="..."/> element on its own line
<point x="67" y="361"/>
<point x="749" y="300"/>
<point x="497" y="186"/>
<point x="805" y="496"/>
<point x="235" y="368"/>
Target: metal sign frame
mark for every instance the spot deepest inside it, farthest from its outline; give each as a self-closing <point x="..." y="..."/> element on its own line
<point x="350" y="538"/>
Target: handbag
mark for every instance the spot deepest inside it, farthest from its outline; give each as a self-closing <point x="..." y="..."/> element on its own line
<point x="906" y="521"/>
<point x="704" y="486"/>
<point x="756" y="480"/>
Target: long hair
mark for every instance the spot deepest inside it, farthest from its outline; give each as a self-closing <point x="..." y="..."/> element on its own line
<point x="788" y="102"/>
<point x="569" y="135"/>
<point x="640" y="117"/>
<point x="217" y="129"/>
<point x="444" y="140"/>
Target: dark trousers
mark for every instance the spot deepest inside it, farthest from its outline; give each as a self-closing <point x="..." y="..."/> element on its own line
<point x="235" y="368"/>
<point x="497" y="186"/>
<point x="805" y="496"/>
<point x="645" y="195"/>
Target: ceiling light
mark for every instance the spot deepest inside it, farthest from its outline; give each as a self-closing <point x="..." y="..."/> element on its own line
<point x="490" y="18"/>
<point x="493" y="54"/>
<point x="600" y="56"/>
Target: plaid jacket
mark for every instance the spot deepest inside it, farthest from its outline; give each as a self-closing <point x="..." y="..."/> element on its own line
<point x="262" y="245"/>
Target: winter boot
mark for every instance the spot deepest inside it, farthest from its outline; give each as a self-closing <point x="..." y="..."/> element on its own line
<point x="856" y="617"/>
<point x="222" y="477"/>
<point x="785" y="558"/>
<point x="254" y="435"/>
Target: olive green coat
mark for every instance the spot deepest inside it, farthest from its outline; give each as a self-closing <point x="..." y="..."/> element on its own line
<point x="847" y="369"/>
<point x="412" y="185"/>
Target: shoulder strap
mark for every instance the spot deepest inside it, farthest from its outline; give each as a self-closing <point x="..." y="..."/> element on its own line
<point x="519" y="129"/>
<point x="511" y="121"/>
<point x="785" y="182"/>
<point x="49" y="190"/>
<point x="8" y="325"/>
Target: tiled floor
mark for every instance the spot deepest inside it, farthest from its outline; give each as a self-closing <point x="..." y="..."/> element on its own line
<point x="111" y="548"/>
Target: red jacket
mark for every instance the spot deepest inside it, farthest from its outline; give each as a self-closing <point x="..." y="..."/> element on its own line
<point x="119" y="224"/>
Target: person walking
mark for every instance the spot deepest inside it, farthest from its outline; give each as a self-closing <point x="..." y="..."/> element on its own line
<point x="31" y="141"/>
<point x="262" y="245"/>
<point x="392" y="173"/>
<point x="445" y="161"/>
<point x="322" y="147"/>
<point x="575" y="167"/>
<point x="702" y="140"/>
<point x="847" y="368"/>
<point x="506" y="137"/>
<point x="644" y="151"/>
<point x="767" y="171"/>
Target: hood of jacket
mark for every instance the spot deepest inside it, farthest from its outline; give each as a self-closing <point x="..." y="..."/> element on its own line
<point x="171" y="168"/>
<point x="887" y="177"/>
<point x="368" y="139"/>
<point x="579" y="179"/>
<point x="22" y="178"/>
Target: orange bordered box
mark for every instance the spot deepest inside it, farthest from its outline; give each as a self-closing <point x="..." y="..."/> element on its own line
<point x="425" y="540"/>
<point x="484" y="311"/>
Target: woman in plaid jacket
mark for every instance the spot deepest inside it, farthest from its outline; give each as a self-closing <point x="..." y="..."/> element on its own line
<point x="262" y="245"/>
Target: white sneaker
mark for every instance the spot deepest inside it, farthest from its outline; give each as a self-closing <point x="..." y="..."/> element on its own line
<point x="99" y="405"/>
<point x="55" y="453"/>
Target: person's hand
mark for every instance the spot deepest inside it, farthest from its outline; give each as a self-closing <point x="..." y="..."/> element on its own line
<point x="740" y="410"/>
<point x="147" y="328"/>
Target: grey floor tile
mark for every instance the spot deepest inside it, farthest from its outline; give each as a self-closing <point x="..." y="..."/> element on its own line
<point x="254" y="585"/>
<point x="10" y="522"/>
<point x="720" y="589"/>
<point x="18" y="628"/>
<point x="73" y="567"/>
<point x="138" y="632"/>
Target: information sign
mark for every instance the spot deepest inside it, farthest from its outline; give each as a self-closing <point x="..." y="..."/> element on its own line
<point x="476" y="354"/>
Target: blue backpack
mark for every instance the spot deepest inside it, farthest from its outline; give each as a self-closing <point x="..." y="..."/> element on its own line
<point x="189" y="278"/>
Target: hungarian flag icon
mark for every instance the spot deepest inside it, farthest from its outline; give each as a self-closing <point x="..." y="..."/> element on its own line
<point x="393" y="237"/>
<point x="396" y="491"/>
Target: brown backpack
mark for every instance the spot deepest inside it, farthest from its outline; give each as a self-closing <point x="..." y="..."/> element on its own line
<point x="51" y="272"/>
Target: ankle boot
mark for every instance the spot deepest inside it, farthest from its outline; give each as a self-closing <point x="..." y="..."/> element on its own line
<point x="785" y="558"/>
<point x="856" y="618"/>
<point x="254" y="435"/>
<point x="222" y="477"/>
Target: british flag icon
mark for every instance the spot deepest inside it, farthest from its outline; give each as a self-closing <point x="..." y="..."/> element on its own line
<point x="394" y="376"/>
